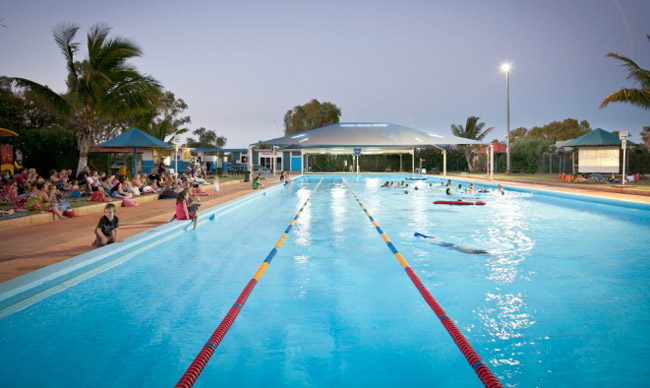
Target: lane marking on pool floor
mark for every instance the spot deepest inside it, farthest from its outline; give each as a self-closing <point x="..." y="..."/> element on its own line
<point x="196" y="367"/>
<point x="482" y="371"/>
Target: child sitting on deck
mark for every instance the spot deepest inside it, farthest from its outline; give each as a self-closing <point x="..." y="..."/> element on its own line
<point x="107" y="228"/>
<point x="182" y="212"/>
<point x="256" y="183"/>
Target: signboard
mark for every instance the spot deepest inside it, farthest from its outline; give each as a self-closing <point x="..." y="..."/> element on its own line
<point x="322" y="151"/>
<point x="357" y="152"/>
<point x="624" y="143"/>
<point x="176" y="140"/>
<point x="623" y="135"/>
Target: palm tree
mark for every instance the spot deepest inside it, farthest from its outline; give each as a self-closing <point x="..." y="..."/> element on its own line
<point x="640" y="96"/>
<point x="102" y="89"/>
<point x="472" y="130"/>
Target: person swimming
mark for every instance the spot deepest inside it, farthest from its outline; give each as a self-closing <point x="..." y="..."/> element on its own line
<point x="483" y="190"/>
<point x="501" y="190"/>
<point x="448" y="182"/>
<point x="385" y="184"/>
<point x="449" y="192"/>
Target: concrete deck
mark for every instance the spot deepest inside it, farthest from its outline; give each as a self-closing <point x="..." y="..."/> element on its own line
<point x="34" y="246"/>
<point x="559" y="187"/>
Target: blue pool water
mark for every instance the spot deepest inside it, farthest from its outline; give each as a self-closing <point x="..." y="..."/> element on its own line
<point x="561" y="300"/>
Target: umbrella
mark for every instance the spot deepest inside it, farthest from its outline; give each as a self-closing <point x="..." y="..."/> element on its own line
<point x="6" y="132"/>
<point x="135" y="139"/>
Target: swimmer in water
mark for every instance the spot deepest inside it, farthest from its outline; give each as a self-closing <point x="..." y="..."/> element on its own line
<point x="501" y="190"/>
<point x="448" y="182"/>
<point x="449" y="192"/>
<point x="483" y="190"/>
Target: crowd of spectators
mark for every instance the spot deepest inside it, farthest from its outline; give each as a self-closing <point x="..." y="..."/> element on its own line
<point x="30" y="191"/>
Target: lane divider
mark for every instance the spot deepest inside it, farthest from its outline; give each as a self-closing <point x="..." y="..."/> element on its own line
<point x="482" y="371"/>
<point x="196" y="367"/>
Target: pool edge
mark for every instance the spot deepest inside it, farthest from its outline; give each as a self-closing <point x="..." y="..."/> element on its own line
<point x="23" y="291"/>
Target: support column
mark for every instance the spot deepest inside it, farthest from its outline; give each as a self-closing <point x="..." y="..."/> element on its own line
<point x="400" y="162"/>
<point x="302" y="162"/>
<point x="250" y="161"/>
<point x="573" y="162"/>
<point x="444" y="162"/>
<point x="307" y="163"/>
<point x="413" y="161"/>
<point x="492" y="161"/>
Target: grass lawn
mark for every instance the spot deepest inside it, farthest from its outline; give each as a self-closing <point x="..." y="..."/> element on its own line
<point x="641" y="185"/>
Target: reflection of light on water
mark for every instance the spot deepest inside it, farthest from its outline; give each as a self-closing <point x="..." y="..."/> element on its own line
<point x="372" y="184"/>
<point x="338" y="208"/>
<point x="506" y="321"/>
<point x="302" y="280"/>
<point x="508" y="239"/>
<point x="419" y="208"/>
<point x="505" y="316"/>
<point x="302" y="228"/>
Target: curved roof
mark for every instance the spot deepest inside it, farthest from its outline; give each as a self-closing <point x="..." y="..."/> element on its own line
<point x="134" y="138"/>
<point x="366" y="134"/>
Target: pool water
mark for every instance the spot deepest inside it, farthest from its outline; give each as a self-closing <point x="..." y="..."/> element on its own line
<point x="560" y="300"/>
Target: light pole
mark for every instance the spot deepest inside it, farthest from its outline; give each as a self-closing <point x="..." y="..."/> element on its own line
<point x="505" y="67"/>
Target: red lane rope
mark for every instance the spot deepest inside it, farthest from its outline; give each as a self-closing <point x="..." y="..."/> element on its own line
<point x="482" y="371"/>
<point x="200" y="361"/>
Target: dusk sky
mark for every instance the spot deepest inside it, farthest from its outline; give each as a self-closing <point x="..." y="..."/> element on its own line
<point x="240" y="65"/>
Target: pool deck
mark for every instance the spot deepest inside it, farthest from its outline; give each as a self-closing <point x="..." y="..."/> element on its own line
<point x="31" y="247"/>
<point x="559" y="187"/>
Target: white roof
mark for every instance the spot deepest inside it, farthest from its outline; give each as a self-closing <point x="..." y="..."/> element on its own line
<point x="366" y="134"/>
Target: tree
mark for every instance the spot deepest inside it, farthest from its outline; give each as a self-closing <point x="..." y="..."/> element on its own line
<point x="526" y="153"/>
<point x="472" y="130"/>
<point x="206" y="139"/>
<point x="556" y="130"/>
<point x="639" y="97"/>
<point x="645" y="135"/>
<point x="102" y="90"/>
<point x="162" y="120"/>
<point x="309" y="116"/>
<point x="517" y="134"/>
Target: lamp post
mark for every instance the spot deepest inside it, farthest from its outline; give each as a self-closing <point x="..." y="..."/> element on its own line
<point x="505" y="67"/>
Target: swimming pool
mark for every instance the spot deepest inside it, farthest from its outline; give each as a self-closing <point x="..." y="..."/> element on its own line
<point x="561" y="298"/>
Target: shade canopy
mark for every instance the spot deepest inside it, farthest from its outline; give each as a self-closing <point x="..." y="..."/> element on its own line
<point x="596" y="137"/>
<point x="134" y="138"/>
<point x="498" y="149"/>
<point x="6" y="132"/>
<point x="366" y="134"/>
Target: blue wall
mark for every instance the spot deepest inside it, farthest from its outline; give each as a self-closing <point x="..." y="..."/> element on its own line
<point x="147" y="165"/>
<point x="296" y="163"/>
